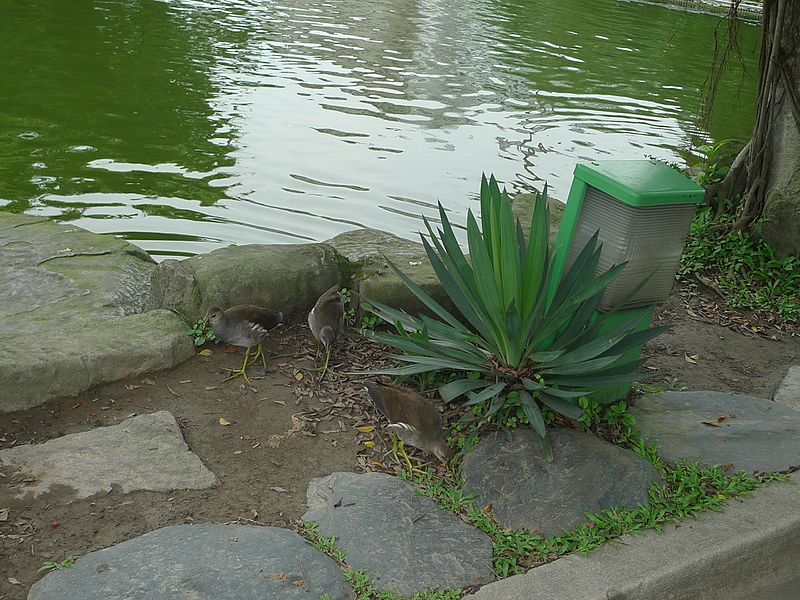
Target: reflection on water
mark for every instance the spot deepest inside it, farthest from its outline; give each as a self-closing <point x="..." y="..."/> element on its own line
<point x="187" y="125"/>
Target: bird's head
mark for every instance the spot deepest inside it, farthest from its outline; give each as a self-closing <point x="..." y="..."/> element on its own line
<point x="215" y="315"/>
<point x="442" y="451"/>
<point x="327" y="336"/>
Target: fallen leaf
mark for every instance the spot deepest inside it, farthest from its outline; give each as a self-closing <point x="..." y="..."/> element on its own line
<point x="208" y="388"/>
<point x="14" y="581"/>
<point x="230" y="349"/>
<point x="369" y="444"/>
<point x="254" y="514"/>
<point x="298" y="376"/>
<point x="279" y="489"/>
<point x="148" y="381"/>
<point x="224" y="422"/>
<point x="173" y="392"/>
<point x="185" y="381"/>
<point x="691" y="359"/>
<point x="281" y="402"/>
<point x="366" y="428"/>
<point x="206" y="352"/>
<point x="298" y="582"/>
<point x="76" y="406"/>
<point x="282" y="577"/>
<point x="131" y="387"/>
<point x="711" y="424"/>
<point x="4" y="514"/>
<point x="237" y="452"/>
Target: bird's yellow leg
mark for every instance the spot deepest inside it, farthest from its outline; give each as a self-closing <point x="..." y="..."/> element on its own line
<point x="260" y="353"/>
<point x="240" y="372"/>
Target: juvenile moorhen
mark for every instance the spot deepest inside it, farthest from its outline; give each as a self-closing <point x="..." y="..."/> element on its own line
<point x="326" y="320"/>
<point x="414" y="419"/>
<point x="244" y="325"/>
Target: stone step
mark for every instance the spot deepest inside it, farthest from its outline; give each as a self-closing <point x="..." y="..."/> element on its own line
<point x="203" y="561"/>
<point x="146" y="452"/>
<point x="528" y="492"/>
<point x="404" y="540"/>
<point x="715" y="428"/>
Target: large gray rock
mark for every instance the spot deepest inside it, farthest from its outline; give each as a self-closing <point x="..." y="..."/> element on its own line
<point x="200" y="562"/>
<point x="715" y="428"/>
<point x="586" y="475"/>
<point x="365" y="250"/>
<point x="403" y="539"/>
<point x="142" y="453"/>
<point x="286" y="277"/>
<point x="68" y="312"/>
<point x="789" y="391"/>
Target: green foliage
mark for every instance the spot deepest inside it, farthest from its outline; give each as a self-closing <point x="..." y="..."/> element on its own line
<point x="745" y="268"/>
<point x="50" y="565"/>
<point x="715" y="162"/>
<point x="369" y="321"/>
<point x="201" y="333"/>
<point x="529" y="349"/>
<point x="349" y="306"/>
<point x="686" y="490"/>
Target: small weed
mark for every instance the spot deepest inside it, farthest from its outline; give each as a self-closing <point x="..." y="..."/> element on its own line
<point x="310" y="531"/>
<point x="201" y="332"/>
<point x="369" y="320"/>
<point x="349" y="306"/>
<point x="50" y="565"/>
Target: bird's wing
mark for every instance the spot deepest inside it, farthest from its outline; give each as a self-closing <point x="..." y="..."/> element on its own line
<point x="401" y="427"/>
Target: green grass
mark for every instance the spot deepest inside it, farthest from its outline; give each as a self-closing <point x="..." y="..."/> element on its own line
<point x="50" y="565"/>
<point x="744" y="267"/>
<point x="686" y="489"/>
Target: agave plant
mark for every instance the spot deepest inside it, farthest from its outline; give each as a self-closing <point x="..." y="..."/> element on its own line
<point x="529" y="345"/>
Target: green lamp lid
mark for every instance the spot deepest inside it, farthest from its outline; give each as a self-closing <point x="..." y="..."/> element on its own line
<point x="640" y="182"/>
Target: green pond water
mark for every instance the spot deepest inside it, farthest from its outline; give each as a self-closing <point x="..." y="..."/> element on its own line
<point x="188" y="125"/>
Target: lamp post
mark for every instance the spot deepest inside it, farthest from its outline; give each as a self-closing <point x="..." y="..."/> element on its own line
<point x="642" y="210"/>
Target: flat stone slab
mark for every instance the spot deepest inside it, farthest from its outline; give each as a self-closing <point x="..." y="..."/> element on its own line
<point x="200" y="562"/>
<point x="789" y="391"/>
<point x="527" y="492"/>
<point x="715" y="428"/>
<point x="403" y="539"/>
<point x="71" y="312"/>
<point x="142" y="453"/>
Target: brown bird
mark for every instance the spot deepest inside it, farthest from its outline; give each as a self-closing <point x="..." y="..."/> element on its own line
<point x="326" y="320"/>
<point x="244" y="325"/>
<point x="414" y="419"/>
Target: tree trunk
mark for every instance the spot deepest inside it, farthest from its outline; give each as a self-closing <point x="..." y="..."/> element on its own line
<point x="766" y="174"/>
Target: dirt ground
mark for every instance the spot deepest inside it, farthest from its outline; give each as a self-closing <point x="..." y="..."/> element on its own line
<point x="317" y="424"/>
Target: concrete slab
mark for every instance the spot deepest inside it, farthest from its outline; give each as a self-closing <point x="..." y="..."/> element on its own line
<point x="789" y="391"/>
<point x="748" y="552"/>
<point x="142" y="453"/>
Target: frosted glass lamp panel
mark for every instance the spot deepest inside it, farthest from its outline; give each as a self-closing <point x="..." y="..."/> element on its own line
<point x="649" y="238"/>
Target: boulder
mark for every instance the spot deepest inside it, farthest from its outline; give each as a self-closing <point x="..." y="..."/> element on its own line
<point x="71" y="305"/>
<point x="367" y="251"/>
<point x="586" y="475"/>
<point x="286" y="277"/>
<point x="203" y="562"/>
<point x="404" y="540"/>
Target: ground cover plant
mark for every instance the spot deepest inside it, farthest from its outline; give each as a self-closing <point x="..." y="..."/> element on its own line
<point x="531" y="344"/>
<point x="741" y="267"/>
